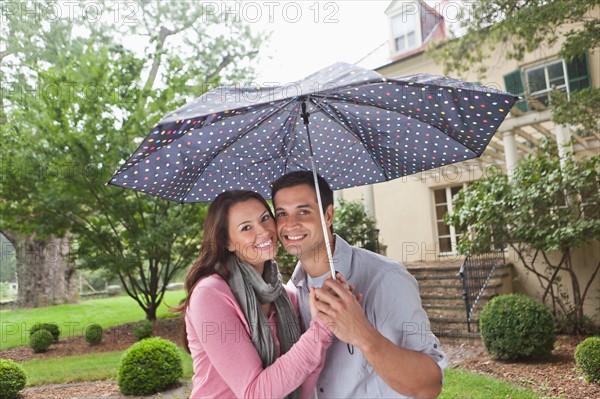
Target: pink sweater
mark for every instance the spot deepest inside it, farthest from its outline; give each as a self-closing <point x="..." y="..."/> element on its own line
<point x="226" y="363"/>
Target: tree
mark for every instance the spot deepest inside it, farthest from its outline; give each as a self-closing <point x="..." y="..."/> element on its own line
<point x="514" y="28"/>
<point x="75" y="138"/>
<point x="545" y="208"/>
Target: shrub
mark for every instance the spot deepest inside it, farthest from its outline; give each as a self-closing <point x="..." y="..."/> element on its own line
<point x="40" y="341"/>
<point x="12" y="379"/>
<point x="587" y="357"/>
<point x="142" y="329"/>
<point x="53" y="328"/>
<point x="93" y="334"/>
<point x="149" y="366"/>
<point x="516" y="326"/>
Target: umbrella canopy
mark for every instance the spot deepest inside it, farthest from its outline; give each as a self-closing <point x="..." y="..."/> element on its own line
<point x="364" y="129"/>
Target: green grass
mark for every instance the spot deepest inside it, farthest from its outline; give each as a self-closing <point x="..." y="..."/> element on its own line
<point x="461" y="384"/>
<point x="73" y="318"/>
<point x="92" y="367"/>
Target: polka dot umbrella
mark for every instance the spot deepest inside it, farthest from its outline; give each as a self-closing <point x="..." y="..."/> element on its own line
<point x="352" y="125"/>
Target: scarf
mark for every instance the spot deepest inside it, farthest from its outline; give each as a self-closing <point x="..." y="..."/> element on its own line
<point x="253" y="290"/>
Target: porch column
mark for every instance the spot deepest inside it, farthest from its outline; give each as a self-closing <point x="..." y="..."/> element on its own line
<point x="369" y="199"/>
<point x="563" y="140"/>
<point x="510" y="153"/>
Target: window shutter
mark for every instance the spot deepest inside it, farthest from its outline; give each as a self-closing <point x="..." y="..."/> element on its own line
<point x="514" y="85"/>
<point x="578" y="73"/>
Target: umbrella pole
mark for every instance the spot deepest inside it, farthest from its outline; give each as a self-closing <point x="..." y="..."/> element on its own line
<point x="319" y="201"/>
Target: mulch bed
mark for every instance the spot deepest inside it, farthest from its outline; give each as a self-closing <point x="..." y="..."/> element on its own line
<point x="113" y="339"/>
<point x="554" y="377"/>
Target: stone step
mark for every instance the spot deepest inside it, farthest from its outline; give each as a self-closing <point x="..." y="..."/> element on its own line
<point x="458" y="337"/>
<point x="451" y="312"/>
<point x="450" y="300"/>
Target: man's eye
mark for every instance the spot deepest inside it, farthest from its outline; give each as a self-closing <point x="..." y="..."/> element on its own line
<point x="280" y="214"/>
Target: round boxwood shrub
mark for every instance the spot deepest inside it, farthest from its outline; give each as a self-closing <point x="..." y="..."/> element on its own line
<point x="587" y="357"/>
<point x="40" y="341"/>
<point x="12" y="379"/>
<point x="149" y="366"/>
<point x="53" y="328"/>
<point x="142" y="329"/>
<point x="93" y="334"/>
<point x="517" y="327"/>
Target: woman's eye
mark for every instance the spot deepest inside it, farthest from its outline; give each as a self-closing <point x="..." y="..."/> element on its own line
<point x="265" y="218"/>
<point x="245" y="228"/>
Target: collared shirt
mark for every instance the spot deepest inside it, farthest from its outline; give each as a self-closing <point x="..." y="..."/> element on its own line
<point x="392" y="305"/>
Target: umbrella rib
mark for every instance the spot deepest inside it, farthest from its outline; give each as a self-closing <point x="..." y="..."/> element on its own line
<point x="342" y="124"/>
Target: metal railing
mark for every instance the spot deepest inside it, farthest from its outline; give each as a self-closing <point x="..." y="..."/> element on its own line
<point x="475" y="273"/>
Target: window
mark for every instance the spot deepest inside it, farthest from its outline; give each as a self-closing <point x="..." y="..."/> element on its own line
<point x="538" y="81"/>
<point x="447" y="235"/>
<point x="404" y="32"/>
<point x="542" y="79"/>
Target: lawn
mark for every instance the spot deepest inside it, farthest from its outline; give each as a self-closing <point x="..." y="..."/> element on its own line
<point x="103" y="366"/>
<point x="73" y="318"/>
<point x="92" y="367"/>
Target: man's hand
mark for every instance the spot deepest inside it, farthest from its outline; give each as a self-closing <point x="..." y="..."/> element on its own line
<point x="337" y="305"/>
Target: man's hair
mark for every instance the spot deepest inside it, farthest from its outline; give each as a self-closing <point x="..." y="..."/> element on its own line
<point x="301" y="177"/>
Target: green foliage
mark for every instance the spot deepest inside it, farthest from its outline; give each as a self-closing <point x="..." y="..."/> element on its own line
<point x="143" y="329"/>
<point x="40" y="341"/>
<point x="353" y="224"/>
<point x="545" y="207"/>
<point x="93" y="334"/>
<point x="52" y="328"/>
<point x="149" y="366"/>
<point x="587" y="357"/>
<point x="91" y="98"/>
<point x="516" y="327"/>
<point x="12" y="379"/>
<point x="516" y="28"/>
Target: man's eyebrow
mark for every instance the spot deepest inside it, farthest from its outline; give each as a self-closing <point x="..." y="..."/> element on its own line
<point x="297" y="207"/>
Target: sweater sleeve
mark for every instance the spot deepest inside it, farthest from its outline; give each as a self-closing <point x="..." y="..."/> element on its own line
<point x="223" y="331"/>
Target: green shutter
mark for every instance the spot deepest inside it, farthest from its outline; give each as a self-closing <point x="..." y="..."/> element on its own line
<point x="514" y="85"/>
<point x="578" y="73"/>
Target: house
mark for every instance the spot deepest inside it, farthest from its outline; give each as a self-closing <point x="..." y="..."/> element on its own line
<point x="410" y="211"/>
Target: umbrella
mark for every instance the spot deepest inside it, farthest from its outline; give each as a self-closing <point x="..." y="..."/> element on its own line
<point x="364" y="129"/>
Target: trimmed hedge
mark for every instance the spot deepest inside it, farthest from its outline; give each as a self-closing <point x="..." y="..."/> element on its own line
<point x="12" y="379"/>
<point x="93" y="334"/>
<point x="53" y="328"/>
<point x="143" y="329"/>
<point x="149" y="366"/>
<point x="517" y="327"/>
<point x="587" y="357"/>
<point x="40" y="341"/>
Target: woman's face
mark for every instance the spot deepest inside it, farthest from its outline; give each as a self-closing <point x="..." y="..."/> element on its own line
<point x="252" y="233"/>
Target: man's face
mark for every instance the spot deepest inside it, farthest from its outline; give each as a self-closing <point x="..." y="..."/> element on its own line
<point x="298" y="222"/>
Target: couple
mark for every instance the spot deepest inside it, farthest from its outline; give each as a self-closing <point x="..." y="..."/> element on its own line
<point x="252" y="337"/>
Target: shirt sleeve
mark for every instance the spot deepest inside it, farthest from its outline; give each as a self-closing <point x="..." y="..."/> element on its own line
<point x="400" y="317"/>
<point x="223" y="331"/>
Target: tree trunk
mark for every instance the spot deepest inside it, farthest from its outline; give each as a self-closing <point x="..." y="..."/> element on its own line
<point x="45" y="273"/>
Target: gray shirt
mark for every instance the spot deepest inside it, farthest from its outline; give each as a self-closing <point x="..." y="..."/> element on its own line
<point x="392" y="305"/>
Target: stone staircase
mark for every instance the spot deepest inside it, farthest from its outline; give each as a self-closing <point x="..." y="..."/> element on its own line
<point x="442" y="296"/>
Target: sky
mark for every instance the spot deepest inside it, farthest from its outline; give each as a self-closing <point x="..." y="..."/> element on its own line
<point x="309" y="35"/>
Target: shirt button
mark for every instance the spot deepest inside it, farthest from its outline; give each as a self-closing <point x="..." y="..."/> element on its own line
<point x="435" y="346"/>
<point x="321" y="390"/>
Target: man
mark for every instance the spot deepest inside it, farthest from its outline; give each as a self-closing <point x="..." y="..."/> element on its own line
<point x="385" y="348"/>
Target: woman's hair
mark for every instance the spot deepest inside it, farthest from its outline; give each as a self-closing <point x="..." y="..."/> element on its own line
<point x="213" y="255"/>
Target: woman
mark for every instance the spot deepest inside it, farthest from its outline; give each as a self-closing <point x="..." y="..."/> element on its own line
<point x="241" y="326"/>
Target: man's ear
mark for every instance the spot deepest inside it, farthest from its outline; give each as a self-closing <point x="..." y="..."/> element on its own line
<point x="329" y="215"/>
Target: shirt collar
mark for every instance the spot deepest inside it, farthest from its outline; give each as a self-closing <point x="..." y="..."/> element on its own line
<point x="342" y="260"/>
